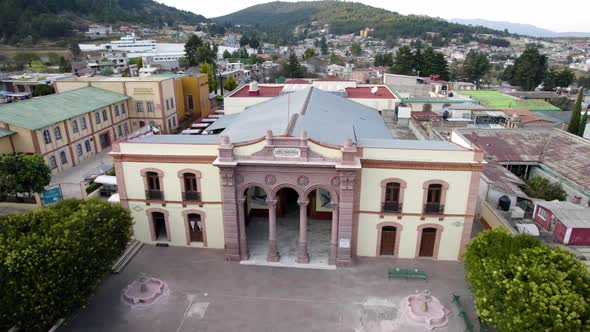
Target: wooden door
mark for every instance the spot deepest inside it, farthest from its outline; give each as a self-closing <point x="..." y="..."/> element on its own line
<point x="195" y="227"/>
<point x="427" y="242"/>
<point x="387" y="241"/>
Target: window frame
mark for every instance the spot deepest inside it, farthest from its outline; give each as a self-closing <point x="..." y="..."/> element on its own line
<point x="47" y="136"/>
<point x="63" y="158"/>
<point x="75" y="128"/>
<point x="57" y="133"/>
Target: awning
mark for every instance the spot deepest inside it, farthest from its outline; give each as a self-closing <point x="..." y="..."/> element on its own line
<point x="114" y="198"/>
<point x="106" y="179"/>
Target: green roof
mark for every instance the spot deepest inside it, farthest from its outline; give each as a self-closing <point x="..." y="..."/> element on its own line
<point x="6" y="132"/>
<point x="45" y="111"/>
<point x="496" y="99"/>
<point x="435" y="100"/>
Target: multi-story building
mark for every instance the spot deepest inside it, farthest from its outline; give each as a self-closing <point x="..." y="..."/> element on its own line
<point x="305" y="177"/>
<point x="66" y="128"/>
<point x="160" y="100"/>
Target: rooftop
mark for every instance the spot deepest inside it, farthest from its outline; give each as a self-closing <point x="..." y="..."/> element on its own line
<point x="569" y="214"/>
<point x="153" y="78"/>
<point x="365" y="92"/>
<point x="263" y="91"/>
<point x="44" y="111"/>
<point x="496" y="99"/>
<point x="6" y="132"/>
<point x="560" y="151"/>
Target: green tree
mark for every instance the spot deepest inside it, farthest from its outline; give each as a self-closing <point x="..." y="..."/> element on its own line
<point x="191" y="48"/>
<point x="475" y="67"/>
<point x="522" y="285"/>
<point x="108" y="71"/>
<point x="43" y="90"/>
<point x="23" y="173"/>
<point x="183" y="62"/>
<point x="529" y="69"/>
<point x="542" y="188"/>
<point x="208" y="69"/>
<point x="253" y="42"/>
<point x="230" y="83"/>
<point x="53" y="259"/>
<point x="136" y="61"/>
<point x="574" y="125"/>
<point x="336" y="60"/>
<point x="206" y="53"/>
<point x="324" y="46"/>
<point x="403" y="62"/>
<point x="25" y="58"/>
<point x="75" y="49"/>
<point x="440" y="66"/>
<point x="226" y="54"/>
<point x="356" y="50"/>
<point x="65" y="66"/>
<point x="583" y="124"/>
<point x="244" y="41"/>
<point x="309" y="53"/>
<point x="292" y="68"/>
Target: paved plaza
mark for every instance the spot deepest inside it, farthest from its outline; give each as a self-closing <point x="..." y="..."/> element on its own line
<point x="207" y="294"/>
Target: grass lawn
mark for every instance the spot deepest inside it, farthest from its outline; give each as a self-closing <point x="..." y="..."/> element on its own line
<point x="495" y="99"/>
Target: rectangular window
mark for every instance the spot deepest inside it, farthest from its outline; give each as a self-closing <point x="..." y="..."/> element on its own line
<point x="167" y="105"/>
<point x="542" y="213"/>
<point x="172" y="102"/>
<point x="190" y="102"/>
<point x="150" y="106"/>
<point x="153" y="181"/>
<point x="139" y="106"/>
<point x="173" y="122"/>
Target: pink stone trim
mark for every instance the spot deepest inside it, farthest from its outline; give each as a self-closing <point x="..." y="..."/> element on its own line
<point x="333" y="193"/>
<point x="471" y="203"/>
<point x="398" y="231"/>
<point x="151" y="222"/>
<point x="277" y="188"/>
<point x="121" y="189"/>
<point x="203" y="215"/>
<point x="439" y="230"/>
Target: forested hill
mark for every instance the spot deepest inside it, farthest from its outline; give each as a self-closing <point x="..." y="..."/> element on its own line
<point x="344" y="17"/>
<point x="56" y="18"/>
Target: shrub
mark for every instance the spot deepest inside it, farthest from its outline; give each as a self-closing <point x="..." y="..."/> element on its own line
<point x="522" y="285"/>
<point x="92" y="187"/>
<point x="53" y="259"/>
<point x="542" y="188"/>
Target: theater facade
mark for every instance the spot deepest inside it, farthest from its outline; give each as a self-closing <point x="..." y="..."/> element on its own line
<point x="307" y="177"/>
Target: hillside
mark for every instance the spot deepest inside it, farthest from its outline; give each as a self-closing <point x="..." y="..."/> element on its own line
<point x="343" y="17"/>
<point x="56" y="18"/>
<point x="518" y="28"/>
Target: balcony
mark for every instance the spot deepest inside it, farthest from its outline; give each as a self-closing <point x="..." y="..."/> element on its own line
<point x="391" y="207"/>
<point x="191" y="196"/>
<point x="154" y="195"/>
<point x="434" y="208"/>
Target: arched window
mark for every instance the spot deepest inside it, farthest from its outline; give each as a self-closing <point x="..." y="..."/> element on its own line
<point x="152" y="179"/>
<point x="83" y="123"/>
<point x="434" y="196"/>
<point x="191" y="192"/>
<point x="46" y="136"/>
<point x="116" y="110"/>
<point x="57" y="133"/>
<point x="79" y="149"/>
<point x="52" y="162"/>
<point x="120" y="130"/>
<point x="123" y="109"/>
<point x="141" y="124"/>
<point x="97" y="117"/>
<point x="74" y="126"/>
<point x="63" y="158"/>
<point x="87" y="145"/>
<point x="104" y="115"/>
<point x="392" y="195"/>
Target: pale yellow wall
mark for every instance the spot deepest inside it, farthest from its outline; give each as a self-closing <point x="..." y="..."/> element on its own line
<point x="114" y="86"/>
<point x="55" y="143"/>
<point x="5" y="146"/>
<point x="247" y="150"/>
<point x="63" y="86"/>
<point x="204" y="104"/>
<point x="418" y="155"/>
<point x="81" y="132"/>
<point x="170" y="149"/>
<point x="179" y="96"/>
<point x="22" y="140"/>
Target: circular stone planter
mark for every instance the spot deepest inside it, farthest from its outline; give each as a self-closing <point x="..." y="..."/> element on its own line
<point x="425" y="310"/>
<point x="144" y="290"/>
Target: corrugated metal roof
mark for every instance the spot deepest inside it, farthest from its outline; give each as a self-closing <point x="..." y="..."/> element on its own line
<point x="569" y="214"/>
<point x="6" y="132"/>
<point x="44" y="111"/>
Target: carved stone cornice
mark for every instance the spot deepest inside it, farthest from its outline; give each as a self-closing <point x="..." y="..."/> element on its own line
<point x="421" y="165"/>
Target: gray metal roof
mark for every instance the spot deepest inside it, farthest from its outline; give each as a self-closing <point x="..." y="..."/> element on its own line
<point x="178" y="139"/>
<point x="408" y="144"/>
<point x="222" y="122"/>
<point x="327" y="118"/>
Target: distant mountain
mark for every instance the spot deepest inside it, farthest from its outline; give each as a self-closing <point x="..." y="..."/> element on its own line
<point x="342" y="17"/>
<point x="55" y="18"/>
<point x="517" y="28"/>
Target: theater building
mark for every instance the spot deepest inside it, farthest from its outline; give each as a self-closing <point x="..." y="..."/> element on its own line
<point x="307" y="177"/>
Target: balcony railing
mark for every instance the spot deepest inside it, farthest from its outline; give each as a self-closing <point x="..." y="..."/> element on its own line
<point x="391" y="207"/>
<point x="191" y="196"/>
<point x="434" y="208"/>
<point x="154" y="195"/>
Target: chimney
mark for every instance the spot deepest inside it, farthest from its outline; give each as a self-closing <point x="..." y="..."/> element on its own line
<point x="253" y="89"/>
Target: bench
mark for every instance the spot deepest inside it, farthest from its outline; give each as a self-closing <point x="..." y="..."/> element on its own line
<point x="468" y="325"/>
<point x="397" y="273"/>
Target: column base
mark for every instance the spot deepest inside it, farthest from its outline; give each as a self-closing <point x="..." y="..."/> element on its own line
<point x="232" y="258"/>
<point x="273" y="254"/>
<point x="302" y="254"/>
<point x="333" y="254"/>
<point x="244" y="254"/>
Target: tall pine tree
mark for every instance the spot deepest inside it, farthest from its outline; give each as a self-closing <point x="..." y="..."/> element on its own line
<point x="574" y="126"/>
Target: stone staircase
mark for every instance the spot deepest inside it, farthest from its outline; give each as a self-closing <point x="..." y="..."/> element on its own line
<point x="132" y="249"/>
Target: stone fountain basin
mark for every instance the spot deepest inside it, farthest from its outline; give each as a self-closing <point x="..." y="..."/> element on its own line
<point x="153" y="288"/>
<point x="435" y="316"/>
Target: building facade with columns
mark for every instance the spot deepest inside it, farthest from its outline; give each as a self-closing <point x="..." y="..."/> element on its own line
<point x="304" y="178"/>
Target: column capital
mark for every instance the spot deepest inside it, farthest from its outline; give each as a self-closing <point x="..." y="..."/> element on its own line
<point x="302" y="203"/>
<point x="271" y="202"/>
<point x="334" y="205"/>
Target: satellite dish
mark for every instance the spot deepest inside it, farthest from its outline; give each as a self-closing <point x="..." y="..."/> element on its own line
<point x="374" y="90"/>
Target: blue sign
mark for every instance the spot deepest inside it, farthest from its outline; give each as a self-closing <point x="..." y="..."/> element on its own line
<point x="52" y="195"/>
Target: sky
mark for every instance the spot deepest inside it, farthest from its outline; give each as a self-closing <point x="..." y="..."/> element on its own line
<point x="567" y="16"/>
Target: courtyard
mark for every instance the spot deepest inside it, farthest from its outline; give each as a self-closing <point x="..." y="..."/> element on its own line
<point x="204" y="293"/>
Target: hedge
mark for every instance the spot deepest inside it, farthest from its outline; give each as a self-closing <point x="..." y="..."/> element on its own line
<point x="53" y="259"/>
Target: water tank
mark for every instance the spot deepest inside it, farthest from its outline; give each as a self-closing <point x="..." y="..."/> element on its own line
<point x="504" y="203"/>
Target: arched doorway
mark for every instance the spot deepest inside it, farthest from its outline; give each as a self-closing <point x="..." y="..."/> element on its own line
<point x="287" y="224"/>
<point x="388" y="238"/>
<point x="160" y="230"/>
<point x="256" y="222"/>
<point x="427" y="242"/>
<point x="319" y="225"/>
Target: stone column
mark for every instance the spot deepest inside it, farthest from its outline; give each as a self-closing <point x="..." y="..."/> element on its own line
<point x="334" y="238"/>
<point x="273" y="254"/>
<point x="230" y="215"/>
<point x="344" y="256"/>
<point x="242" y="230"/>
<point x="302" y="254"/>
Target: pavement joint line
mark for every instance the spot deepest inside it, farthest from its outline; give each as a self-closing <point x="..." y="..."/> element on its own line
<point x="190" y="303"/>
<point x="282" y="299"/>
